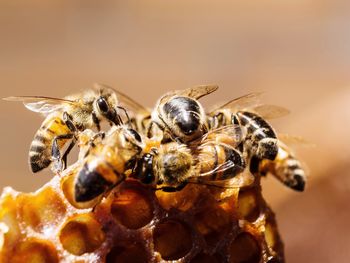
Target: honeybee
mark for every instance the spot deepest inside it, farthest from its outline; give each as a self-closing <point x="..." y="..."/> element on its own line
<point x="64" y="118"/>
<point x="285" y="167"/>
<point x="261" y="140"/>
<point x="106" y="162"/>
<point x="180" y="116"/>
<point x="214" y="161"/>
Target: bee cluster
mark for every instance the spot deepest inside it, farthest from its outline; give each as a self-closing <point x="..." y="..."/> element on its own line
<point x="176" y="183"/>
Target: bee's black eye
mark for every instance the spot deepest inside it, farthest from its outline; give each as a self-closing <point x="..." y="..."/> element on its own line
<point x="102" y="104"/>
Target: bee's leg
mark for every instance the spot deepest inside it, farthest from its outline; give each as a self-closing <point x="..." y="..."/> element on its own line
<point x="96" y="121"/>
<point x="64" y="156"/>
<point x="55" y="151"/>
<point x="126" y="114"/>
<point x="254" y="165"/>
<point x="69" y="121"/>
<point x="149" y="129"/>
<point x="100" y="134"/>
<point x="145" y="125"/>
<point x="170" y="189"/>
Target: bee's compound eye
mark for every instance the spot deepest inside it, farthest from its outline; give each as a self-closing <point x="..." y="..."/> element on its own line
<point x="135" y="134"/>
<point x="102" y="104"/>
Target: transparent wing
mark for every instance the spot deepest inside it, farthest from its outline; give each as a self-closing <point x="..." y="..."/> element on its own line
<point x="125" y="100"/>
<point x="240" y="180"/>
<point x="197" y="91"/>
<point x="293" y="140"/>
<point x="44" y="105"/>
<point x="222" y="168"/>
<point x="246" y="101"/>
<point x="229" y="134"/>
<point x="270" y="111"/>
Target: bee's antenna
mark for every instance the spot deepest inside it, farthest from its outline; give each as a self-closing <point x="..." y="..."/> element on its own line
<point x="125" y="112"/>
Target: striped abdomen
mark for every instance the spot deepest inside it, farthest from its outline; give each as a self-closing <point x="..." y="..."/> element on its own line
<point x="102" y="170"/>
<point x="41" y="147"/>
<point x="261" y="140"/>
<point x="286" y="168"/>
<point x="221" y="161"/>
<point x="183" y="116"/>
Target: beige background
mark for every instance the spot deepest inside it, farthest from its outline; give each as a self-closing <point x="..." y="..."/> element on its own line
<point x="297" y="51"/>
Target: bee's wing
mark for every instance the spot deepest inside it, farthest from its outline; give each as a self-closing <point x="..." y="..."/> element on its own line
<point x="294" y="140"/>
<point x="246" y="101"/>
<point x="270" y="111"/>
<point x="252" y="102"/>
<point x="198" y="91"/>
<point x="40" y="104"/>
<point x="233" y="131"/>
<point x="125" y="100"/>
<point x="221" y="168"/>
<point x="242" y="179"/>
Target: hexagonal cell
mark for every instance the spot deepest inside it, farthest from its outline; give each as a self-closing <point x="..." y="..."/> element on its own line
<point x="35" y="251"/>
<point x="248" y="207"/>
<point x="182" y="200"/>
<point x="133" y="253"/>
<point x="213" y="222"/>
<point x="67" y="186"/>
<point x="81" y="234"/>
<point x="172" y="239"/>
<point x="244" y="249"/>
<point x="42" y="208"/>
<point x="205" y="258"/>
<point x="131" y="207"/>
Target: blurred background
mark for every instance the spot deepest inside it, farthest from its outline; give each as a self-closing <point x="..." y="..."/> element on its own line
<point x="298" y="52"/>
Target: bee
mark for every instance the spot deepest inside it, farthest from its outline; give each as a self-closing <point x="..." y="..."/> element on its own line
<point x="64" y="119"/>
<point x="177" y="115"/>
<point x="215" y="161"/>
<point x="107" y="161"/>
<point x="261" y="140"/>
<point x="285" y="167"/>
<point x="180" y="116"/>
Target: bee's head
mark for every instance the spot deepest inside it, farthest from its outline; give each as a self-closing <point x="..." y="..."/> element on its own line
<point x="174" y="166"/>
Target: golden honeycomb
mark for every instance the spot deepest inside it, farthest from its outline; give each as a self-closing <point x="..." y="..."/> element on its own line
<point x="134" y="223"/>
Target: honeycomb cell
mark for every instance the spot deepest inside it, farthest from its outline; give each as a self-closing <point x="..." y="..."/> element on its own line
<point x="34" y="251"/>
<point x="172" y="239"/>
<point x="205" y="258"/>
<point x="67" y="186"/>
<point x="132" y="253"/>
<point x="213" y="222"/>
<point x="248" y="205"/>
<point x="39" y="208"/>
<point x="244" y="249"/>
<point x="81" y="234"/>
<point x="132" y="208"/>
<point x="182" y="200"/>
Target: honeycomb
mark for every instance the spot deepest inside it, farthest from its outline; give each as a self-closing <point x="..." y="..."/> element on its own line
<point x="134" y="223"/>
